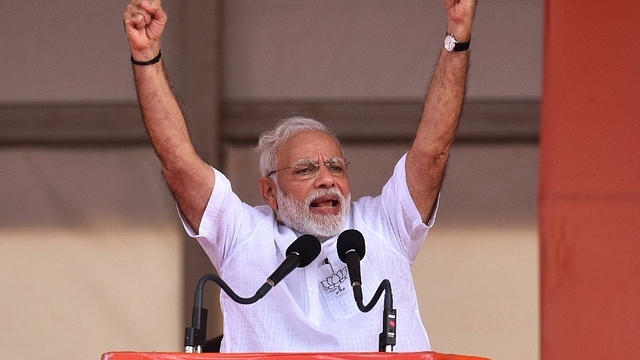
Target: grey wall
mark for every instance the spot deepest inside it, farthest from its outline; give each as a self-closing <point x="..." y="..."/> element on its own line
<point x="82" y="192"/>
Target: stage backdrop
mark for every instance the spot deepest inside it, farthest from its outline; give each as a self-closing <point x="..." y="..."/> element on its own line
<point x="590" y="181"/>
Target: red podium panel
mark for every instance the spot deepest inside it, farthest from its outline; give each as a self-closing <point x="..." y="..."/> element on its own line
<point x="426" y="355"/>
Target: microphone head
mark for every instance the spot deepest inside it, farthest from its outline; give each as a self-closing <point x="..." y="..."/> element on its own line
<point x="349" y="240"/>
<point x="307" y="247"/>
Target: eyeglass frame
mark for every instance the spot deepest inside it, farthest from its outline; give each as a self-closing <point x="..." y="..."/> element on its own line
<point x="316" y="164"/>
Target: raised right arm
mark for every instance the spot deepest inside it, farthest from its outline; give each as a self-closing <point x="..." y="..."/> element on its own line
<point x="188" y="176"/>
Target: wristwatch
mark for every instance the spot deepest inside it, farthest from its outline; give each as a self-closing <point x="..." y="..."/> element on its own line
<point x="451" y="44"/>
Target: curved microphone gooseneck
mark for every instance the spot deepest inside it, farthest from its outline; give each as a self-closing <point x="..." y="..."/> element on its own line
<point x="351" y="250"/>
<point x="299" y="254"/>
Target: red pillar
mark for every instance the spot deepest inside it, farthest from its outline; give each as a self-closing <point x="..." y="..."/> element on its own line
<point x="590" y="181"/>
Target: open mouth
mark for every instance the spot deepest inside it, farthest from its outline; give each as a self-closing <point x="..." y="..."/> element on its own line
<point x="325" y="202"/>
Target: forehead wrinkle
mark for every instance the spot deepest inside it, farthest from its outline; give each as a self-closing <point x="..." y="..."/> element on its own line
<point x="308" y="145"/>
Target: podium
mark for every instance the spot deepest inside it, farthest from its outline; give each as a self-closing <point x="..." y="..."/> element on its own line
<point x="426" y="355"/>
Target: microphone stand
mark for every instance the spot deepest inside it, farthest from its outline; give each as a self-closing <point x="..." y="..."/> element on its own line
<point x="387" y="339"/>
<point x="196" y="335"/>
<point x="300" y="253"/>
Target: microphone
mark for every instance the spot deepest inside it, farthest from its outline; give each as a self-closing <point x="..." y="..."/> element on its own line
<point x="299" y="254"/>
<point x="351" y="250"/>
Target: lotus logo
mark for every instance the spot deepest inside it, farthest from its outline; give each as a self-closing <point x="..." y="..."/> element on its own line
<point x="334" y="282"/>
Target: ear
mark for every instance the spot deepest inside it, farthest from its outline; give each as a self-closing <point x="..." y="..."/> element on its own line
<point x="268" y="191"/>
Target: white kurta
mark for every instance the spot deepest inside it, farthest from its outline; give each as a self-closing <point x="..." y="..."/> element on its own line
<point x="313" y="309"/>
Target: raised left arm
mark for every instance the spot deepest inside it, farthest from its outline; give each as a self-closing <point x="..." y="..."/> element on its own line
<point x="428" y="155"/>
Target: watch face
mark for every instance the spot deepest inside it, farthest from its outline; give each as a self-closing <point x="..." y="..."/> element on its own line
<point x="449" y="43"/>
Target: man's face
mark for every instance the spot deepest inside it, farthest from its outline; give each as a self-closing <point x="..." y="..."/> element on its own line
<point x="312" y="191"/>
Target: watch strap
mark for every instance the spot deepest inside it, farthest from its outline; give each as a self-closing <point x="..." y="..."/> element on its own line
<point x="462" y="46"/>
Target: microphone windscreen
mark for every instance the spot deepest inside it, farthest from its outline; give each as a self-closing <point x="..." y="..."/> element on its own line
<point x="307" y="246"/>
<point x="350" y="239"/>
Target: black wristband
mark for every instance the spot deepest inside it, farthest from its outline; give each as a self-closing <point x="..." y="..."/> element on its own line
<point x="150" y="62"/>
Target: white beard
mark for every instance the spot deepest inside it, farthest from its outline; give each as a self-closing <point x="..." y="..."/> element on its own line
<point x="296" y="214"/>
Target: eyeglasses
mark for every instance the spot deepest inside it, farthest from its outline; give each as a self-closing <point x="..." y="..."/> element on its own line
<point x="308" y="168"/>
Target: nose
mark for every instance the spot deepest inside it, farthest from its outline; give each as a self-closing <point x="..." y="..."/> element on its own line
<point x="323" y="178"/>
